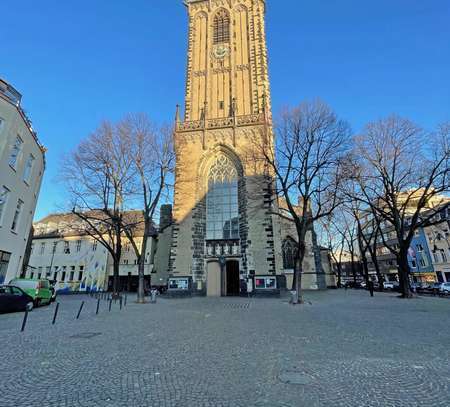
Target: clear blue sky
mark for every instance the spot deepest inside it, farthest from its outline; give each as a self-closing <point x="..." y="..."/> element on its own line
<point x="78" y="62"/>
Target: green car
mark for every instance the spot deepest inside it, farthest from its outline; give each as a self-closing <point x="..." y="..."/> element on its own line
<point x="39" y="290"/>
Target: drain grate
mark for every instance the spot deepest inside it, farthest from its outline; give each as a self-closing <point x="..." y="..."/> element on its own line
<point x="238" y="305"/>
<point x="85" y="335"/>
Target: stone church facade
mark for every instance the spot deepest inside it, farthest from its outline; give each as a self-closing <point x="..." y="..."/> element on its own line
<point x="226" y="238"/>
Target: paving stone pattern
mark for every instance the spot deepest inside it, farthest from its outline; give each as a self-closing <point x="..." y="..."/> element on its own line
<point x="343" y="349"/>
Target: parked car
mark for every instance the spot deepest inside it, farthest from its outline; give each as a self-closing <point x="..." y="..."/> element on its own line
<point x="391" y="285"/>
<point x="444" y="288"/>
<point x="13" y="299"/>
<point x="418" y="287"/>
<point x="38" y="289"/>
<point x="435" y="288"/>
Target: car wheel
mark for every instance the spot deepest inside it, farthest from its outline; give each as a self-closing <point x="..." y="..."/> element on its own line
<point x="29" y="307"/>
<point x="37" y="302"/>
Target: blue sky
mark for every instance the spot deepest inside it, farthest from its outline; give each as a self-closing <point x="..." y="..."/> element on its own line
<point x="79" y="62"/>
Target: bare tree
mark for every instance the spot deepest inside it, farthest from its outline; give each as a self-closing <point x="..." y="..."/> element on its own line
<point x="98" y="175"/>
<point x="402" y="173"/>
<point x="153" y="159"/>
<point x="305" y="162"/>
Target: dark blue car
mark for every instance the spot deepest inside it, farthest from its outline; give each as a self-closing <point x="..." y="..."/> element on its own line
<point x="13" y="299"/>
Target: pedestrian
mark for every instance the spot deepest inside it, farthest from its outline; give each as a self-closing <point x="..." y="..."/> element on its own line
<point x="371" y="286"/>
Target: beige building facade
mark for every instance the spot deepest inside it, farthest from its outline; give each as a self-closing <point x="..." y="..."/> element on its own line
<point x="22" y="165"/>
<point x="77" y="262"/>
<point x="226" y="238"/>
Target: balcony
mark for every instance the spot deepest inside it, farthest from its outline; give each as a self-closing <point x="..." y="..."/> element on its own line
<point x="10" y="93"/>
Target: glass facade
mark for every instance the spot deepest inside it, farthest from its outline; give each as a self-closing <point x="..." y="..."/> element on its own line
<point x="222" y="213"/>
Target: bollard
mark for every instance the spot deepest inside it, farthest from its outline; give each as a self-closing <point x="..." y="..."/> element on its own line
<point x="79" y="311"/>
<point x="98" y="306"/>
<point x="110" y="303"/>
<point x="24" y="322"/>
<point x="55" y="314"/>
<point x="120" y="301"/>
<point x="153" y="296"/>
<point x="125" y="302"/>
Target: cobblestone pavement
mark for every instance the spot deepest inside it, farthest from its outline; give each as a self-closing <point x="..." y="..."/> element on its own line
<point x="342" y="349"/>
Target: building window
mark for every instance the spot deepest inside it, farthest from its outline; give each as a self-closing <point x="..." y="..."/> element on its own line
<point x="221" y="27"/>
<point x="4" y="262"/>
<point x="3" y="201"/>
<point x="15" y="152"/>
<point x="444" y="256"/>
<point x="66" y="248"/>
<point x="48" y="271"/>
<point x="222" y="215"/>
<point x="17" y="213"/>
<point x="63" y="276"/>
<point x="80" y="273"/>
<point x="42" y="251"/>
<point x="419" y="248"/>
<point x="39" y="275"/>
<point x="94" y="246"/>
<point x="55" y="244"/>
<point x="413" y="264"/>
<point x="423" y="262"/>
<point x="28" y="169"/>
<point x="289" y="254"/>
<point x="436" y="257"/>
<point x="78" y="245"/>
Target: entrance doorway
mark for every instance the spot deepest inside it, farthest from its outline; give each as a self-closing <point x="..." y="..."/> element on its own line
<point x="232" y="278"/>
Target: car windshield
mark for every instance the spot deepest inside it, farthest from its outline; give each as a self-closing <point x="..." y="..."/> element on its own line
<point x="25" y="284"/>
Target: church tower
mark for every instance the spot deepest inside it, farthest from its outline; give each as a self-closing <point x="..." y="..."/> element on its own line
<point x="224" y="233"/>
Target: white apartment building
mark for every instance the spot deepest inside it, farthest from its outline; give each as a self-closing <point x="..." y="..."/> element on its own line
<point x="77" y="262"/>
<point x="22" y="165"/>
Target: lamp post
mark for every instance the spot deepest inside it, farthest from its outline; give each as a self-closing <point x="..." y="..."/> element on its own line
<point x="222" y="264"/>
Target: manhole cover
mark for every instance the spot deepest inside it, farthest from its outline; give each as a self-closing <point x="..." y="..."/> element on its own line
<point x="244" y="305"/>
<point x="86" y="335"/>
<point x="294" y="378"/>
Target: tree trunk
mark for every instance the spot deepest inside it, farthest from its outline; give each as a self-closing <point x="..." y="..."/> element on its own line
<point x="403" y="274"/>
<point x="141" y="269"/>
<point x="339" y="272"/>
<point x="116" y="265"/>
<point x="365" y="267"/>
<point x="298" y="298"/>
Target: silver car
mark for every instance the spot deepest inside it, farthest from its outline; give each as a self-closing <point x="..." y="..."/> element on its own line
<point x="444" y="288"/>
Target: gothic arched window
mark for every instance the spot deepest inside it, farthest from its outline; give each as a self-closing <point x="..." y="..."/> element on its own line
<point x="222" y="215"/>
<point x="289" y="254"/>
<point x="221" y="27"/>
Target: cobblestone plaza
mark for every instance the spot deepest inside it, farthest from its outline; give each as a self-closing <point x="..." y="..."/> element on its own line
<point x="341" y="349"/>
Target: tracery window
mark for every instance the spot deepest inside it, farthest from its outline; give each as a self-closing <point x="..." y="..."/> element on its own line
<point x="289" y="254"/>
<point x="221" y="27"/>
<point x="222" y="214"/>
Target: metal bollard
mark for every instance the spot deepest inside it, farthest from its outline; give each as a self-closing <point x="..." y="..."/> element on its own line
<point x="24" y="322"/>
<point x="120" y="302"/>
<point x="55" y="314"/>
<point x="110" y="303"/>
<point x="153" y="296"/>
<point x="79" y="311"/>
<point x="98" y="306"/>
